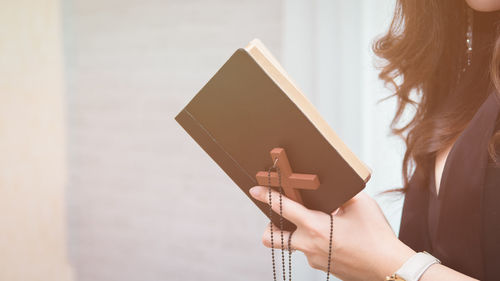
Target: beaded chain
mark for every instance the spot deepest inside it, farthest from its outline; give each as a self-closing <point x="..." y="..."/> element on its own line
<point x="290" y="236"/>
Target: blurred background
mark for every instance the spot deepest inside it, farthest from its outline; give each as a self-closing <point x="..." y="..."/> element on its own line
<point x="97" y="180"/>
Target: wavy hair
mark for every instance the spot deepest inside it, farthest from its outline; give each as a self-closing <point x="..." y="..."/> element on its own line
<point x="423" y="52"/>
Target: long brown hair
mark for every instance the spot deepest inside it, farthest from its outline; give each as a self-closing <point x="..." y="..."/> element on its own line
<point x="423" y="51"/>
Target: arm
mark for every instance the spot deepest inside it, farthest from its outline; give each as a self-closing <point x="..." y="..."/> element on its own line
<point x="434" y="272"/>
<point x="364" y="245"/>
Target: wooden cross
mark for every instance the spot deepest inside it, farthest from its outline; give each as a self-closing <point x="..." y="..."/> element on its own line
<point x="290" y="181"/>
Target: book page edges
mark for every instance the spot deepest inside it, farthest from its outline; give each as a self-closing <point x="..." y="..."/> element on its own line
<point x="271" y="66"/>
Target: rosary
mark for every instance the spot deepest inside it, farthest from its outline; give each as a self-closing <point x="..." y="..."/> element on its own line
<point x="289" y="237"/>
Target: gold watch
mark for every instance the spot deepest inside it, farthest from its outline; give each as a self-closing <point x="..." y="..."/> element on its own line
<point x="394" y="277"/>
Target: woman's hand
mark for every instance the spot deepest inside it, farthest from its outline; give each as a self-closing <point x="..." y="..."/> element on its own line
<point x="364" y="245"/>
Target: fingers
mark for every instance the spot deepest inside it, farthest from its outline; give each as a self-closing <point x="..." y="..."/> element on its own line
<point x="291" y="210"/>
<point x="276" y="238"/>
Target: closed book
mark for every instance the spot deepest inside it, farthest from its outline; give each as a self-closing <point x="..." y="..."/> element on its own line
<point x="250" y="107"/>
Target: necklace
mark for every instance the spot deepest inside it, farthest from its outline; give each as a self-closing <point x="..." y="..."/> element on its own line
<point x="290" y="236"/>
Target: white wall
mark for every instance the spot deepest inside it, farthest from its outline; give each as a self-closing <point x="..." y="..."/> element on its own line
<point x="146" y="203"/>
<point x="327" y="50"/>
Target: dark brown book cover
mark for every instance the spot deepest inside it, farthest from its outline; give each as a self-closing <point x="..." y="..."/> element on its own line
<point x="251" y="106"/>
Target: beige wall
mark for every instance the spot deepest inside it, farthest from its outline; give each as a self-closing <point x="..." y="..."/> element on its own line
<point x="32" y="143"/>
<point x="146" y="203"/>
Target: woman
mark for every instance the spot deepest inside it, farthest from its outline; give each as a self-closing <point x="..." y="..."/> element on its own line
<point x="447" y="52"/>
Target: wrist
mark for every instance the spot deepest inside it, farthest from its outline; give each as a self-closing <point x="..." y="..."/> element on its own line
<point x="395" y="255"/>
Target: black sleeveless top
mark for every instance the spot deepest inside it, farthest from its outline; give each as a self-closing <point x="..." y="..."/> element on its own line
<point x="461" y="225"/>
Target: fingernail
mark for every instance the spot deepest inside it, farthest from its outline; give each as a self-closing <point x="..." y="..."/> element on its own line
<point x="255" y="191"/>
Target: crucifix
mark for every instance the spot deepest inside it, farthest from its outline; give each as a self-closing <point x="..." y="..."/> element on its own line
<point x="290" y="181"/>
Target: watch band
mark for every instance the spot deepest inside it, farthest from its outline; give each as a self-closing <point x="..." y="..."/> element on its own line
<point x="414" y="267"/>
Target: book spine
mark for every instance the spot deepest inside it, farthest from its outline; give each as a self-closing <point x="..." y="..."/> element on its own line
<point x="231" y="167"/>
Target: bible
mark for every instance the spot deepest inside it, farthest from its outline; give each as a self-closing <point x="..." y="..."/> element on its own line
<point x="250" y="114"/>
